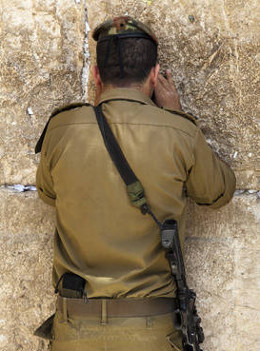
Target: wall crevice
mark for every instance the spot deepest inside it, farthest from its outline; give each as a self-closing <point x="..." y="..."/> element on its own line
<point x="19" y="188"/>
<point x="86" y="57"/>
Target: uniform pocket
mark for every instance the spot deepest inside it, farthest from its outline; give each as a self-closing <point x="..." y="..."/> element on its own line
<point x="175" y="340"/>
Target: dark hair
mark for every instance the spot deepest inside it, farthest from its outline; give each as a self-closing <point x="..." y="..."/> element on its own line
<point x="138" y="56"/>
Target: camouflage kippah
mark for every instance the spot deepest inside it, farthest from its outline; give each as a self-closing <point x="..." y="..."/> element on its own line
<point x="125" y="26"/>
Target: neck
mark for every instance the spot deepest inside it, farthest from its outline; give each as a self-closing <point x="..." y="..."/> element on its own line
<point x="144" y="88"/>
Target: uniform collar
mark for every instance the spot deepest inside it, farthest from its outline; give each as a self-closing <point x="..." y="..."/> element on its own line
<point x="129" y="94"/>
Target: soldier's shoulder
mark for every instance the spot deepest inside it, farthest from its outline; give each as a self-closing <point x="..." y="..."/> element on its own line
<point x="65" y="113"/>
<point x="68" y="114"/>
<point x="178" y="120"/>
<point x="188" y="116"/>
<point x="69" y="107"/>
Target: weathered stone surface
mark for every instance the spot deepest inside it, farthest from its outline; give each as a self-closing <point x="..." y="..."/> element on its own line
<point x="222" y="254"/>
<point x="26" y="227"/>
<point x="213" y="50"/>
<point x="41" y="61"/>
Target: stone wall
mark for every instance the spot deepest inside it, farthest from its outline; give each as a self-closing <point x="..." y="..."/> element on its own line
<point x="212" y="49"/>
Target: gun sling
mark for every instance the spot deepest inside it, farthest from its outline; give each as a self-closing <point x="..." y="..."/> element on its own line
<point x="134" y="187"/>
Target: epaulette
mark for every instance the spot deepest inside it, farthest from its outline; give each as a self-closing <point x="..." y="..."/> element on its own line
<point x="188" y="116"/>
<point x="38" y="146"/>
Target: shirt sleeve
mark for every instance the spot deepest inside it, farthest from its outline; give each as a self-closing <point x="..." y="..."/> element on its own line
<point x="210" y="181"/>
<point x="44" y="182"/>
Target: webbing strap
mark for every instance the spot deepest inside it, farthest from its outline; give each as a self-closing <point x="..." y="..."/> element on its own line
<point x="134" y="187"/>
<point x="114" y="149"/>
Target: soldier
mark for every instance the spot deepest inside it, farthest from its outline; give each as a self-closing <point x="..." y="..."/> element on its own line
<point x="114" y="285"/>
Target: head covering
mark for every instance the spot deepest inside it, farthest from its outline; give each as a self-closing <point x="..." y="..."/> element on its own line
<point x="119" y="28"/>
<point x="123" y="25"/>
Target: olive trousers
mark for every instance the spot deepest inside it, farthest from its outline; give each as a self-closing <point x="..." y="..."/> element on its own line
<point x="74" y="333"/>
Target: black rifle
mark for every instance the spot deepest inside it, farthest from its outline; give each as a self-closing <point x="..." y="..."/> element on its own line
<point x="185" y="318"/>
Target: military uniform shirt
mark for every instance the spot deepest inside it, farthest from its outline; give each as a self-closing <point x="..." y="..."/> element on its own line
<point x="99" y="234"/>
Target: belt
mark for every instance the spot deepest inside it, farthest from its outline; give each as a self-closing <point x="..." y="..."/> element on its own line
<point x="117" y="307"/>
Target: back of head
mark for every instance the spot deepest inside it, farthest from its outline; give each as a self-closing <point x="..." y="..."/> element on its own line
<point x="126" y="51"/>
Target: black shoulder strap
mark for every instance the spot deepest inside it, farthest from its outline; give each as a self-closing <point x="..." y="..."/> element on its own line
<point x="38" y="147"/>
<point x="134" y="187"/>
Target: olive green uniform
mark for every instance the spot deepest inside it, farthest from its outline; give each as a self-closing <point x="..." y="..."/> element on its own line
<point x="100" y="236"/>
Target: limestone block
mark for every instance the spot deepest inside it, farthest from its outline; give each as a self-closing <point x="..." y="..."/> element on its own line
<point x="222" y="254"/>
<point x="41" y="60"/>
<point x="26" y="227"/>
<point x="212" y="49"/>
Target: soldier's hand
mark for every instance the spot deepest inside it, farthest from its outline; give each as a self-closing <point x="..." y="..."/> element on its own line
<point x="165" y="92"/>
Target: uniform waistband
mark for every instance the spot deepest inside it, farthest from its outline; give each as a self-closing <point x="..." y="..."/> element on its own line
<point x="116" y="307"/>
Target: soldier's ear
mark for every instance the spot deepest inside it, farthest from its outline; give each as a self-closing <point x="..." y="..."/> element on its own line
<point x="154" y="74"/>
<point x="96" y="75"/>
